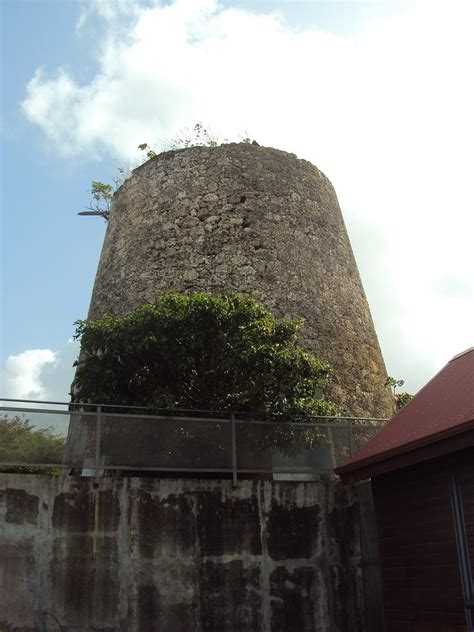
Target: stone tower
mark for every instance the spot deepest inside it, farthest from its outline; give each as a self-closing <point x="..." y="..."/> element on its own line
<point x="250" y="219"/>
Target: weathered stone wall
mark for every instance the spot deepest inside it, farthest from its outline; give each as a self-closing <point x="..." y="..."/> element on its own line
<point x="138" y="555"/>
<point x="250" y="219"/>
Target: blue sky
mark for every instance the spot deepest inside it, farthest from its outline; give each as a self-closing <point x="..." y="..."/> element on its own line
<point x="376" y="94"/>
<point x="48" y="254"/>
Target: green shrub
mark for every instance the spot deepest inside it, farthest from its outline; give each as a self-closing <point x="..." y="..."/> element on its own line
<point x="196" y="351"/>
<point x="22" y="442"/>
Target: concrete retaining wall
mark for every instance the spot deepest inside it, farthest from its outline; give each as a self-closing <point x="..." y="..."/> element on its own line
<point x="137" y="554"/>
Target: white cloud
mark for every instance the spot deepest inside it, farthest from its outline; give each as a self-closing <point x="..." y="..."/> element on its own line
<point x="20" y="375"/>
<point x="387" y="114"/>
<point x="44" y="375"/>
<point x="39" y="374"/>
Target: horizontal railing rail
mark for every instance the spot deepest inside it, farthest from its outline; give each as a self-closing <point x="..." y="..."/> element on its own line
<point x="241" y="449"/>
<point x="179" y="410"/>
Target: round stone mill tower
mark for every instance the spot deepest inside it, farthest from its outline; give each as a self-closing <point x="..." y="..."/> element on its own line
<point x="250" y="219"/>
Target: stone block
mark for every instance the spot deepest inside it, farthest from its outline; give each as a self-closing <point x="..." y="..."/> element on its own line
<point x="292" y="600"/>
<point x="17" y="584"/>
<point x="75" y="511"/>
<point x="84" y="580"/>
<point x="240" y="609"/>
<point x="165" y="526"/>
<point x="292" y="532"/>
<point x="228" y="526"/>
<point x="22" y="508"/>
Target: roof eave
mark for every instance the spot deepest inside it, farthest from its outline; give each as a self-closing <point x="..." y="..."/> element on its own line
<point x="451" y="440"/>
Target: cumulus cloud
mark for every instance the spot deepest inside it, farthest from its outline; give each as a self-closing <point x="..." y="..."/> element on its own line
<point x="387" y="114"/>
<point x="21" y="373"/>
<point x="44" y="375"/>
<point x="40" y="374"/>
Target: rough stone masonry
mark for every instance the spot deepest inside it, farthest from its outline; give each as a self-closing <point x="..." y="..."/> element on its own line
<point x="250" y="219"/>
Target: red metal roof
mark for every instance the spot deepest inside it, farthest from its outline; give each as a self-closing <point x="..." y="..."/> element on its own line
<point x="444" y="407"/>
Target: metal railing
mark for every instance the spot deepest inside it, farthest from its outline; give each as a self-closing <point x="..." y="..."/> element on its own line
<point x="93" y="439"/>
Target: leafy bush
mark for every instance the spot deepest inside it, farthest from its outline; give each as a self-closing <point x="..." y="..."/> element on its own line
<point x="195" y="351"/>
<point x="401" y="399"/>
<point x="22" y="442"/>
<point x="102" y="193"/>
<point x="100" y="204"/>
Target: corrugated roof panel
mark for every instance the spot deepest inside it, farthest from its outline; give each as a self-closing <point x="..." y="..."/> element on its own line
<point x="442" y="407"/>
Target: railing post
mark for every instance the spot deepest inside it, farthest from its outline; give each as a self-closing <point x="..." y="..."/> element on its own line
<point x="234" y="451"/>
<point x="98" y="430"/>
<point x="351" y="443"/>
<point x="331" y="445"/>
